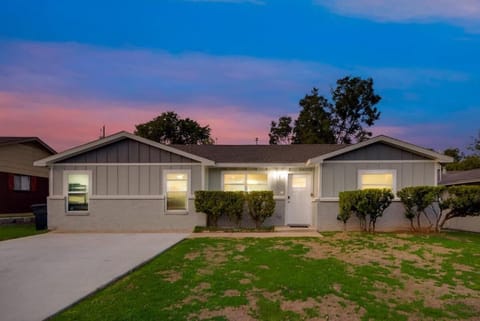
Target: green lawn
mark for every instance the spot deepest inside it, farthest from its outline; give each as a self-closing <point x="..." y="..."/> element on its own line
<point x="339" y="277"/>
<point x="8" y="232"/>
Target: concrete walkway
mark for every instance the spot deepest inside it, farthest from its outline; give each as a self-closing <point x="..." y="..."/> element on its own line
<point x="43" y="274"/>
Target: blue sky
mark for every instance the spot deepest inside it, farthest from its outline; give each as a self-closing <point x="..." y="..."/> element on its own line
<point x="68" y="67"/>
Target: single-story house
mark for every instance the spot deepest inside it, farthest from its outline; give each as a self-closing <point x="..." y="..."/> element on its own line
<point x="127" y="183"/>
<point x="21" y="183"/>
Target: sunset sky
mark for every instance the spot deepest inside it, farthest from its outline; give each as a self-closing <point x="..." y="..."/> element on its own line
<point x="69" y="67"/>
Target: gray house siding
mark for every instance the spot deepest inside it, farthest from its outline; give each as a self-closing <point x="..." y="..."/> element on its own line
<point x="338" y="177"/>
<point x="378" y="151"/>
<point x="127" y="190"/>
<point x="340" y="173"/>
<point x="277" y="183"/>
<point x="126" y="179"/>
<point x="128" y="151"/>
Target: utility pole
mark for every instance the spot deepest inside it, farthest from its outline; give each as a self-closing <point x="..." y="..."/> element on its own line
<point x="256" y="140"/>
<point x="102" y="132"/>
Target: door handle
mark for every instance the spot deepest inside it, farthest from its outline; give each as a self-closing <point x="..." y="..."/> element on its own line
<point x="288" y="197"/>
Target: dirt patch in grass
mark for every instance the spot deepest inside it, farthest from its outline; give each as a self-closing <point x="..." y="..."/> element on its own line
<point x="170" y="275"/>
<point x="241" y="313"/>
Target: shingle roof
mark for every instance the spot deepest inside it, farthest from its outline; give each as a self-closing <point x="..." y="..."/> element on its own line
<point x="295" y="153"/>
<point x="8" y="140"/>
<point x="461" y="177"/>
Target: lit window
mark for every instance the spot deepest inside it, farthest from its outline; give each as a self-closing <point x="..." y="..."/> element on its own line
<point x="377" y="179"/>
<point x="21" y="183"/>
<point x="78" y="191"/>
<point x="245" y="182"/>
<point x="177" y="191"/>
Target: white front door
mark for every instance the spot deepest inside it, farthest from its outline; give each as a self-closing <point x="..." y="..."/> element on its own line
<point x="299" y="199"/>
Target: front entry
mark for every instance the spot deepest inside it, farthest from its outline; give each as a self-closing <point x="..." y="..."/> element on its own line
<point x="299" y="200"/>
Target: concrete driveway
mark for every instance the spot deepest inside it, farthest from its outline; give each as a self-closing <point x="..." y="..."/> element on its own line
<point x="43" y="274"/>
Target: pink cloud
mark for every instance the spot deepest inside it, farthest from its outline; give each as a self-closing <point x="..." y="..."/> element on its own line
<point x="64" y="123"/>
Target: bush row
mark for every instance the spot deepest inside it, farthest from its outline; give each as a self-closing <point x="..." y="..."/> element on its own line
<point x="434" y="205"/>
<point x="438" y="204"/>
<point x="214" y="204"/>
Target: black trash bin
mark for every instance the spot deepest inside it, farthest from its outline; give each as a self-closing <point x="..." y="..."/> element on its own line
<point x="40" y="212"/>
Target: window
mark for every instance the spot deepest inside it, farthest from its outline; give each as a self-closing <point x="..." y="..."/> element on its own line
<point x="245" y="182"/>
<point x="78" y="189"/>
<point x="177" y="188"/>
<point x="21" y="183"/>
<point x="377" y="179"/>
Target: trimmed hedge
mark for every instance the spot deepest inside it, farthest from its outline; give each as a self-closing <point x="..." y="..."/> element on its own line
<point x="260" y="206"/>
<point x="217" y="203"/>
<point x="367" y="203"/>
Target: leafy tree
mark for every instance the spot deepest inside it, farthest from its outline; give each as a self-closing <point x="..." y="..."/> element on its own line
<point x="354" y="100"/>
<point x="462" y="201"/>
<point x="468" y="163"/>
<point x="341" y="120"/>
<point x="454" y="153"/>
<point x="475" y="145"/>
<point x="313" y="125"/>
<point x="281" y="132"/>
<point x="168" y="128"/>
<point x="261" y="205"/>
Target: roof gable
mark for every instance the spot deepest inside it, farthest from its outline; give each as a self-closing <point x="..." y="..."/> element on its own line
<point x="10" y="140"/>
<point x="98" y="151"/>
<point x="383" y="141"/>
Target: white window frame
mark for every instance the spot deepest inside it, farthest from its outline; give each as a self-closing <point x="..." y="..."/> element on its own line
<point x="245" y="173"/>
<point x="20" y="189"/>
<point x="362" y="172"/>
<point x="65" y="189"/>
<point x="189" y="189"/>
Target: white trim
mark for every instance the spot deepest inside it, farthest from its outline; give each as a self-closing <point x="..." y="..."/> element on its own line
<point x="65" y="188"/>
<point x="279" y="197"/>
<point x="202" y="177"/>
<point x="361" y="172"/>
<point x="336" y="199"/>
<point x="128" y="164"/>
<point x="319" y="182"/>
<point x="378" y="161"/>
<point x="56" y="197"/>
<point x="189" y="188"/>
<point x="127" y="197"/>
<point x="111" y="139"/>
<point x="50" y="181"/>
<point x="388" y="140"/>
<point x="261" y="165"/>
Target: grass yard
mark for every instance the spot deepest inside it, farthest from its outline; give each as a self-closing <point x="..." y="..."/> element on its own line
<point x="339" y="277"/>
<point x="8" y="232"/>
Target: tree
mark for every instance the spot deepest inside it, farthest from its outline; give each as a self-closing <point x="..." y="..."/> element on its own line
<point x="281" y="132"/>
<point x="454" y="153"/>
<point x="354" y="101"/>
<point x="462" y="201"/>
<point x="313" y="124"/>
<point x="168" y="128"/>
<point x="341" y="120"/>
<point x="475" y="145"/>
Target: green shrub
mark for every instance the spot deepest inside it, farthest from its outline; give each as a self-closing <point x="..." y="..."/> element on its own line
<point x="217" y="203"/>
<point x="368" y="203"/>
<point x="347" y="206"/>
<point x="416" y="200"/>
<point x="462" y="201"/>
<point x="372" y="203"/>
<point x="260" y="206"/>
<point x="209" y="202"/>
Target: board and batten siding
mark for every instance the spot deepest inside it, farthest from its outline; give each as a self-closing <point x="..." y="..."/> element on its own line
<point x="378" y="151"/>
<point x="130" y="180"/>
<point x="128" y="151"/>
<point x="339" y="177"/>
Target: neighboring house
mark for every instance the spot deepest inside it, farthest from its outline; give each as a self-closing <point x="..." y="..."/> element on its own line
<point x="471" y="177"/>
<point x="127" y="183"/>
<point x="22" y="184"/>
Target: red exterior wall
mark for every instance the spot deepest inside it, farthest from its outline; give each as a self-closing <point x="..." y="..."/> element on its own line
<point x="20" y="201"/>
